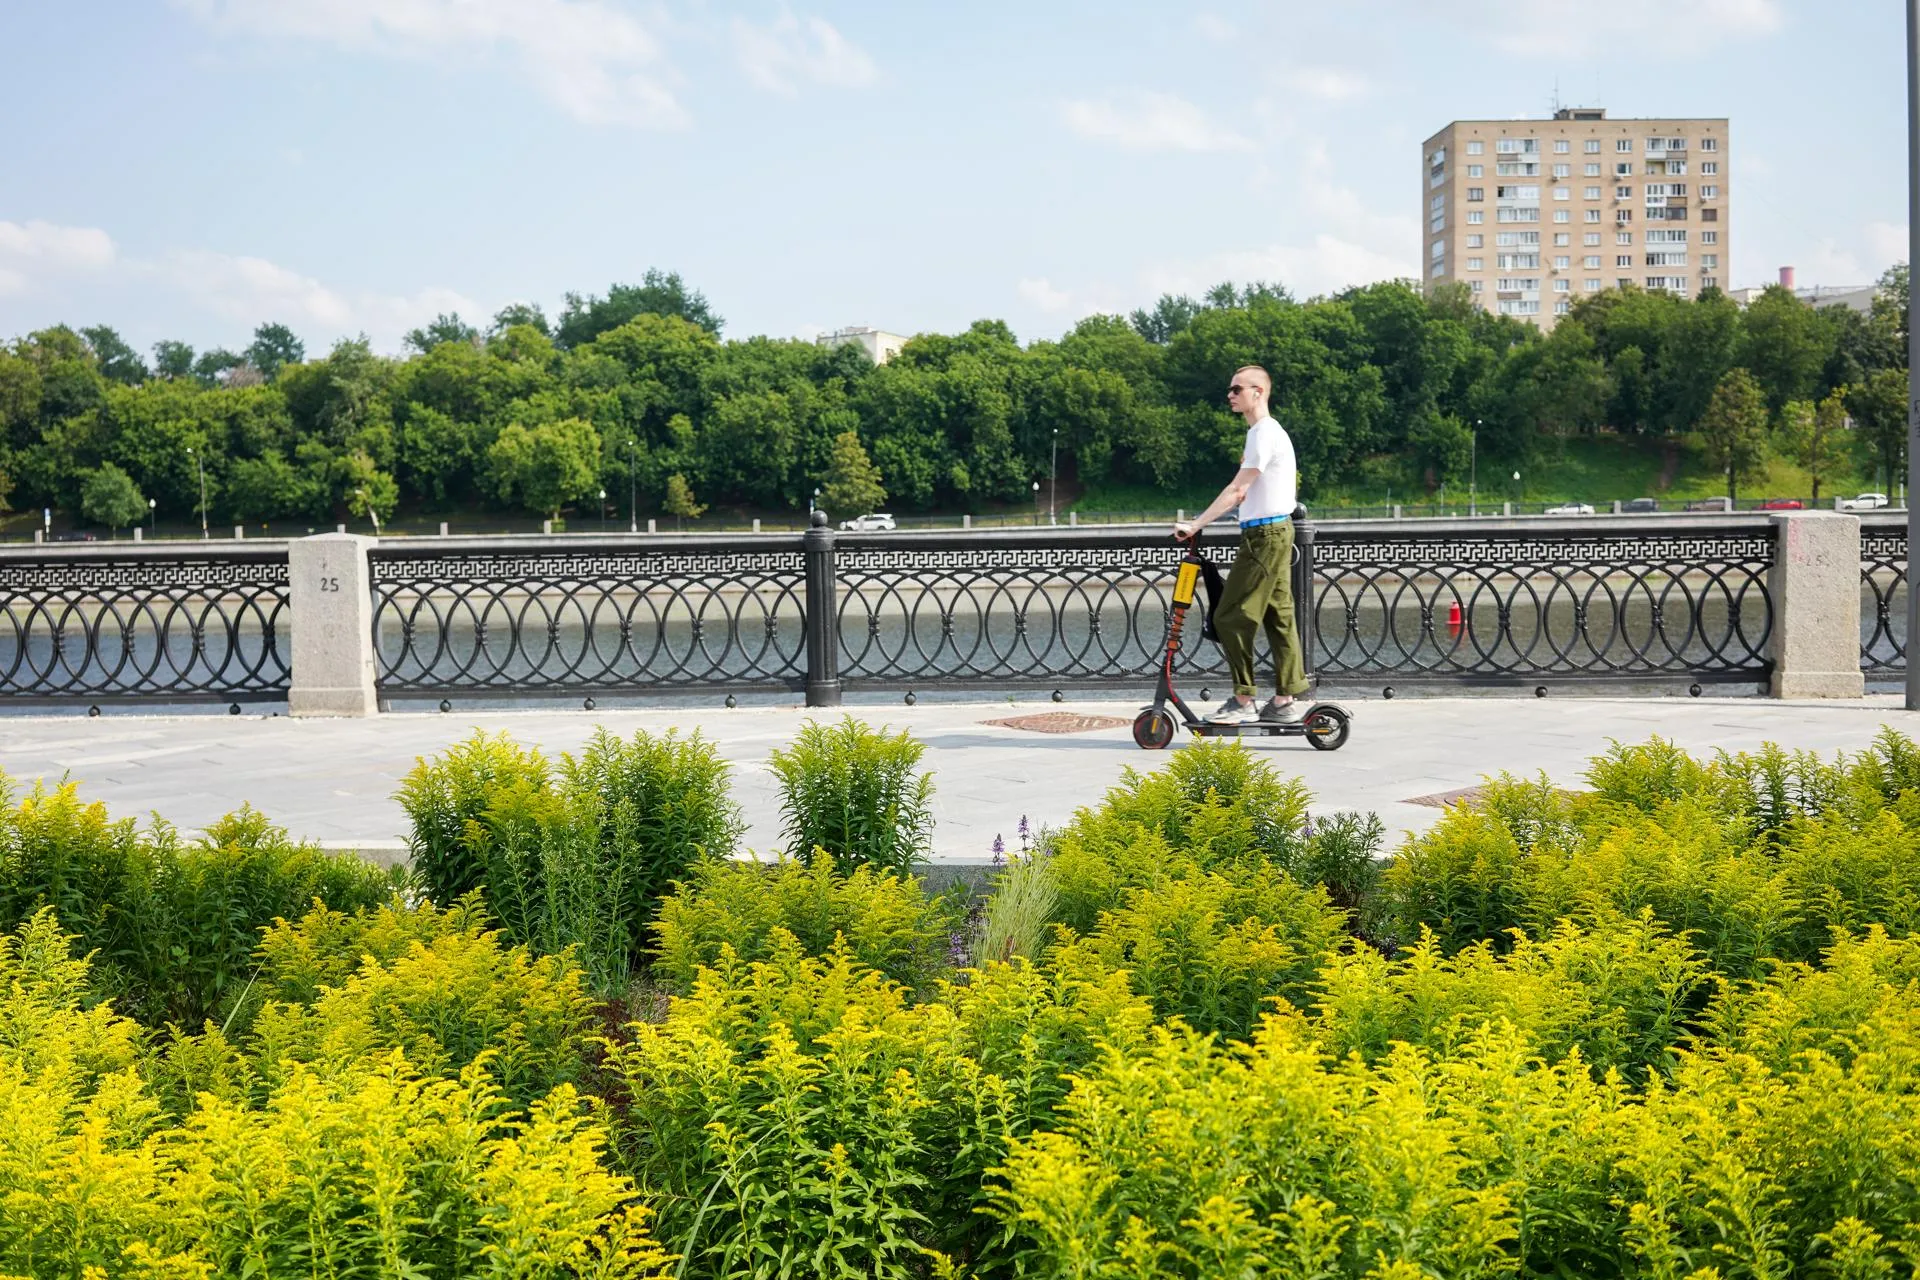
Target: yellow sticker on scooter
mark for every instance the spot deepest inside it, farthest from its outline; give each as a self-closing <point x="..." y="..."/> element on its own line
<point x="1183" y="584"/>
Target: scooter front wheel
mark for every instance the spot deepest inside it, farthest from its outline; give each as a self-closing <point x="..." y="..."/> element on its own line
<point x="1152" y="729"/>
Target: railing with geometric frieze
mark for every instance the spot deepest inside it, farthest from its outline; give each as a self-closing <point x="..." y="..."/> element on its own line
<point x="144" y="622"/>
<point x="1883" y="596"/>
<point x="1525" y="604"/>
<point x="524" y="615"/>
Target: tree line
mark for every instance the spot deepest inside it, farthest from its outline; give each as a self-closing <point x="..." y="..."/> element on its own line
<point x="637" y="392"/>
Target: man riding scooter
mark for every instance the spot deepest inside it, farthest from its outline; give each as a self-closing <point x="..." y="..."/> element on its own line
<point x="1259" y="588"/>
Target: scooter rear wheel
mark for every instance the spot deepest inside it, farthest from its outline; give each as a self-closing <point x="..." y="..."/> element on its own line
<point x="1152" y="729"/>
<point x="1327" y="729"/>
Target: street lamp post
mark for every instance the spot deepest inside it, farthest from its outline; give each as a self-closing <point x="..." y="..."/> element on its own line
<point x="603" y="511"/>
<point x="1036" y="502"/>
<point x="1516" y="485"/>
<point x="200" y="465"/>
<point x="633" y="486"/>
<point x="1473" y="473"/>
<point x="1053" y="475"/>
<point x="153" y="518"/>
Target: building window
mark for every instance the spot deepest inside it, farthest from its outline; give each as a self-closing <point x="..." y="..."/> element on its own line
<point x="1623" y="170"/>
<point x="1439" y="269"/>
<point x="1592" y="237"/>
<point x="1593" y="215"/>
<point x="1591" y="193"/>
<point x="1561" y="306"/>
<point x="1560" y="237"/>
<point x="1593" y="146"/>
<point x="1709" y="215"/>
<point x="1511" y="239"/>
<point x="1475" y="241"/>
<point x="1591" y="262"/>
<point x="1709" y="237"/>
<point x="1439" y="249"/>
<point x="1474" y="148"/>
<point x="1678" y="167"/>
<point x="1561" y="215"/>
<point x="1519" y="284"/>
<point x="1593" y="170"/>
<point x="1560" y="262"/>
<point x="1560" y="170"/>
<point x="1623" y="260"/>
<point x="1476" y="285"/>
<point x="1656" y="236"/>
<point x="1560" y="146"/>
<point x="1476" y="193"/>
<point x="1561" y="193"/>
<point x="1709" y="144"/>
<point x="1710" y="168"/>
<point x="1623" y="215"/>
<point x="1709" y="282"/>
<point x="1625" y="193"/>
<point x="1517" y="169"/>
<point x="1623" y="144"/>
<point x="1476" y="170"/>
<point x="1476" y="264"/>
<point x="1593" y="286"/>
<point x="1475" y="217"/>
<point x="1667" y="259"/>
<point x="1519" y="307"/>
<point x="1623" y="237"/>
<point x="1624" y="282"/>
<point x="1709" y="261"/>
<point x="1517" y="261"/>
<point x="1709" y="192"/>
<point x="1513" y="213"/>
<point x="1437" y="223"/>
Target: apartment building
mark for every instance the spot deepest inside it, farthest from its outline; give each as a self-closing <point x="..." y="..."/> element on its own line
<point x="1531" y="214"/>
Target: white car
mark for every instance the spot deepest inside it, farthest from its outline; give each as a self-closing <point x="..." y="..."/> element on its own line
<point x="868" y="523"/>
<point x="1865" y="502"/>
<point x="1571" y="509"/>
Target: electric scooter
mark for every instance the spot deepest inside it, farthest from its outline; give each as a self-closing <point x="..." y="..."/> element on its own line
<point x="1325" y="725"/>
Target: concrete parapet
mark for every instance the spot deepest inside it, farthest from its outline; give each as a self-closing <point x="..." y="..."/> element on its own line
<point x="1815" y="586"/>
<point x="331" y="598"/>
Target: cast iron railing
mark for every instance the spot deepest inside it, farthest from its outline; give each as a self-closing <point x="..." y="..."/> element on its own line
<point x="204" y="624"/>
<point x="1518" y="605"/>
<point x="1059" y="608"/>
<point x="1883" y="596"/>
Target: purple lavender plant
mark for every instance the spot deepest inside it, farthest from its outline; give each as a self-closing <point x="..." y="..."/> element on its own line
<point x="999" y="852"/>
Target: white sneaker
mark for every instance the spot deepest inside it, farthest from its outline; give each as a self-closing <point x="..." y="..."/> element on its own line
<point x="1234" y="711"/>
<point x="1274" y="711"/>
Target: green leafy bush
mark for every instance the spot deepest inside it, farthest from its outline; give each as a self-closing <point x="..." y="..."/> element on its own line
<point x="886" y="921"/>
<point x="855" y="792"/>
<point x="578" y="856"/>
<point x="1024" y="899"/>
<point x="373" y="1169"/>
<point x="172" y="924"/>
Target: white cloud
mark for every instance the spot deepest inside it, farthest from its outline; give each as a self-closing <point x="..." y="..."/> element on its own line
<point x="1329" y="84"/>
<point x="1327" y="264"/>
<point x="1576" y="28"/>
<point x="30" y="252"/>
<point x="253" y="291"/>
<point x="1043" y="295"/>
<point x="596" y="62"/>
<point x="1151" y="122"/>
<point x="1887" y="242"/>
<point x="783" y="53"/>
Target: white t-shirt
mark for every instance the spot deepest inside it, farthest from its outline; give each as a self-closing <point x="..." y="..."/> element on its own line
<point x="1276" y="491"/>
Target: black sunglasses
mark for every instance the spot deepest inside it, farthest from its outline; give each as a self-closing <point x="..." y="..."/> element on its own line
<point x="1236" y="389"/>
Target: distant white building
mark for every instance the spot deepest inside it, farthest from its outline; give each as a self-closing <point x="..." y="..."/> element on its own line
<point x="879" y="345"/>
<point x="1858" y="296"/>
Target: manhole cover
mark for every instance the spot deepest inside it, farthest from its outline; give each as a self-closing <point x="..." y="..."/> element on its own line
<point x="1441" y="799"/>
<point x="1062" y="722"/>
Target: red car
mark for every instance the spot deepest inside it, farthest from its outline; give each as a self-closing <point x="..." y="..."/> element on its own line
<point x="1783" y="504"/>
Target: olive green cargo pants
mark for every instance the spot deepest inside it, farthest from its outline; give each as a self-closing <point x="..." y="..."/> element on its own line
<point x="1259" y="593"/>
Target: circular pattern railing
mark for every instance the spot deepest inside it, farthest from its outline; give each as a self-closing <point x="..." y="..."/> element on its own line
<point x="554" y="621"/>
<point x="189" y="628"/>
<point x="1883" y="601"/>
<point x="1534" y="606"/>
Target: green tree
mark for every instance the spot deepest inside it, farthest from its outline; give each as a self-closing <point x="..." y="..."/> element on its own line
<point x="519" y="313"/>
<point x="851" y="486"/>
<point x="1785" y="346"/>
<point x="172" y="359"/>
<point x="274" y="347"/>
<point x="213" y="365"/>
<point x="1879" y="409"/>
<point x="118" y="361"/>
<point x="1733" y="430"/>
<point x="659" y="293"/>
<point x="447" y="327"/>
<point x="366" y="489"/>
<point x="110" y="497"/>
<point x="680" y="504"/>
<point x="544" y="468"/>
<point x="1815" y="436"/>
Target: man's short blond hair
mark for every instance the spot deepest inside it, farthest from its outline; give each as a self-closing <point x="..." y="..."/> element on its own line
<point x="1266" y="379"/>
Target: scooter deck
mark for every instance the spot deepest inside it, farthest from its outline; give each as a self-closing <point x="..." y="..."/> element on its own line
<point x="1252" y="729"/>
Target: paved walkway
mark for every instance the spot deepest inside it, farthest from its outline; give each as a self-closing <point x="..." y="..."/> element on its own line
<point x="334" y="780"/>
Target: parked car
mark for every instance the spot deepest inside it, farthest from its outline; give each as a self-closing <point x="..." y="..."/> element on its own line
<point x="75" y="535"/>
<point x="868" y="523"/>
<point x="1571" y="509"/>
<point x="1783" y="504"/>
<point x="1864" y="502"/>
<point x="1636" y="505"/>
<point x="1710" y="504"/>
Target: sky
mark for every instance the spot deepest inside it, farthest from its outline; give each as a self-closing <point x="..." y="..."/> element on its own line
<point x="190" y="169"/>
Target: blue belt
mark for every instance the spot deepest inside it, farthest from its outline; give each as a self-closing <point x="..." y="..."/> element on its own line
<point x="1255" y="524"/>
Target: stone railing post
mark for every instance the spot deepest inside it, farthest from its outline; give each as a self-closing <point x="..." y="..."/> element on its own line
<point x="823" y="616"/>
<point x="1815" y="585"/>
<point x="331" y="599"/>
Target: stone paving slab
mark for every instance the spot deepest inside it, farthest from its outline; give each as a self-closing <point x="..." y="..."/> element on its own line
<point x="334" y="781"/>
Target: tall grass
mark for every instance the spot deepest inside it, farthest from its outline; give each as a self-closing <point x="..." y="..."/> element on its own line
<point x="855" y="792"/>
